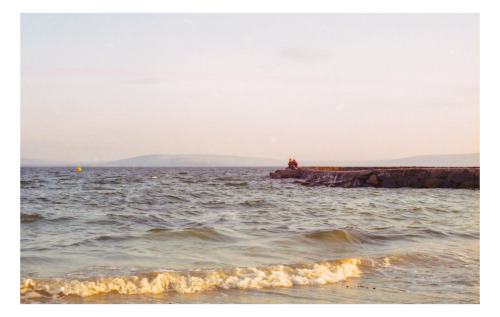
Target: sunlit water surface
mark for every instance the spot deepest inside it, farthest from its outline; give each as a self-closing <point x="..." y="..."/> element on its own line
<point x="233" y="235"/>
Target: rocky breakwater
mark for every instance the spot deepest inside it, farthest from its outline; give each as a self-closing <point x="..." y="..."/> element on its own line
<point x="384" y="177"/>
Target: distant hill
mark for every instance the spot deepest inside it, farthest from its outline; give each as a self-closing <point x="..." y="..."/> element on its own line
<point x="165" y="160"/>
<point x="194" y="160"/>
<point x="451" y="160"/>
<point x="445" y="160"/>
<point x="158" y="160"/>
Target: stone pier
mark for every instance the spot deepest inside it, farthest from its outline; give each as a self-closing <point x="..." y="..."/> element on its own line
<point x="384" y="177"/>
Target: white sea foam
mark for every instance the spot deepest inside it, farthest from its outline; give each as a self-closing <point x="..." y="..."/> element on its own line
<point x="238" y="278"/>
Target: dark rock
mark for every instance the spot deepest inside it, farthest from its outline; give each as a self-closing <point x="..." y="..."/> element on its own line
<point x="411" y="181"/>
<point x="432" y="183"/>
<point x="373" y="180"/>
<point x="396" y="175"/>
<point x="348" y="185"/>
<point x="438" y="173"/>
<point x="358" y="183"/>
<point x="388" y="183"/>
<point x="405" y="181"/>
<point x="412" y="172"/>
<point x="363" y="174"/>
<point x="383" y="176"/>
<point x="422" y="175"/>
<point x="446" y="184"/>
<point x="462" y="177"/>
<point x="476" y="182"/>
<point x="387" y="177"/>
<point x="467" y="184"/>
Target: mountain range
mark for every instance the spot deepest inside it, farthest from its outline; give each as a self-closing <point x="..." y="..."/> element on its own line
<point x="185" y="160"/>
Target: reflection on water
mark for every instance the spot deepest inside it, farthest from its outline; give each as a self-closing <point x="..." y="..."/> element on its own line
<point x="160" y="235"/>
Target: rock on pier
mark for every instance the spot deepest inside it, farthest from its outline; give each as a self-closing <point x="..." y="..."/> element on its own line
<point x="384" y="177"/>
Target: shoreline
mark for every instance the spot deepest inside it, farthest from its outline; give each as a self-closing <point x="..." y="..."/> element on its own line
<point x="384" y="177"/>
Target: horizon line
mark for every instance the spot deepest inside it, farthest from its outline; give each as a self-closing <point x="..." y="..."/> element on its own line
<point x="239" y="156"/>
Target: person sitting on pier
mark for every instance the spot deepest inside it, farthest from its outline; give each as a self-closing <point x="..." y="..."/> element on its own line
<point x="292" y="164"/>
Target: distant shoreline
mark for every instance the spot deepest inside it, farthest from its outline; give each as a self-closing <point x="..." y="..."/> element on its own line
<point x="191" y="160"/>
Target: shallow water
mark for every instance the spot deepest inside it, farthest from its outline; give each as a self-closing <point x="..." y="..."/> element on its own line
<point x="233" y="235"/>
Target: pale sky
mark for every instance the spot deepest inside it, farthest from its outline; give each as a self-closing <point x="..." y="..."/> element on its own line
<point x="309" y="86"/>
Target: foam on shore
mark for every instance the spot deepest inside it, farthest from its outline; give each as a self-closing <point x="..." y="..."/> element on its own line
<point x="238" y="278"/>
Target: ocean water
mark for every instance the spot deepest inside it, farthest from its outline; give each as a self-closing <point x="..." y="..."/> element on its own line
<point x="233" y="235"/>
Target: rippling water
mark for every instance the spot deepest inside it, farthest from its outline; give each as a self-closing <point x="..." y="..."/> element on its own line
<point x="233" y="235"/>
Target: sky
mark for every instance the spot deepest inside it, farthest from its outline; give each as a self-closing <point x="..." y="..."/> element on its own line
<point x="98" y="87"/>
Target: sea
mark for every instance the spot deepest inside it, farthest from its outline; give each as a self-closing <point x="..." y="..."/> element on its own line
<point x="233" y="235"/>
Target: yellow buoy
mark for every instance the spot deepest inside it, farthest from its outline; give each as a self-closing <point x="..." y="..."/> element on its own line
<point x="79" y="169"/>
<point x="132" y="165"/>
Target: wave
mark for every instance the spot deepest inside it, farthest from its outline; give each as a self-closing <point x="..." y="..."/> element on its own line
<point x="213" y="203"/>
<point x="433" y="233"/>
<point x="33" y="183"/>
<point x="173" y="198"/>
<point x="255" y="203"/>
<point x="30" y="218"/>
<point x="201" y="233"/>
<point x="236" y="184"/>
<point x="27" y="218"/>
<point x="126" y="219"/>
<point x="334" y="236"/>
<point x="114" y="238"/>
<point x="116" y="180"/>
<point x="191" y="282"/>
<point x="357" y="237"/>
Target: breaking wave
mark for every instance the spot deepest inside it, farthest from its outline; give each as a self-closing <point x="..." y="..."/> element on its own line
<point x="185" y="283"/>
